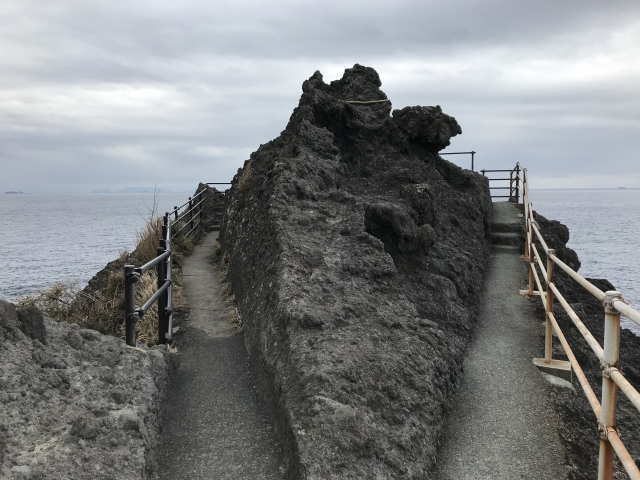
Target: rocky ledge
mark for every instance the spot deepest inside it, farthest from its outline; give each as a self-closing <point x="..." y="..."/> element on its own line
<point x="356" y="254"/>
<point x="76" y="404"/>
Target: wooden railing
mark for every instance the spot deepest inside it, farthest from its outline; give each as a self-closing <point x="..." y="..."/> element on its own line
<point x="541" y="283"/>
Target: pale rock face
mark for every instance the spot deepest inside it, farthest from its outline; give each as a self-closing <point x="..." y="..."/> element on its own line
<point x="75" y="403"/>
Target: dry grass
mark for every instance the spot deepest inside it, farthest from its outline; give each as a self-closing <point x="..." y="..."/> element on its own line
<point x="102" y="308"/>
<point x="147" y="326"/>
<point x="98" y="310"/>
<point x="149" y="240"/>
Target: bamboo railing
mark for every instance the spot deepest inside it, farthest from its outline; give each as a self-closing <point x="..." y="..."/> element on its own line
<point x="541" y="283"/>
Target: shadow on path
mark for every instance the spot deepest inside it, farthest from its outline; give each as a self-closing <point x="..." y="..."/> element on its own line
<point x="213" y="427"/>
<point x="502" y="425"/>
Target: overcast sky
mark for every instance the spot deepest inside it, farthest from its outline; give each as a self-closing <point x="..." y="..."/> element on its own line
<point x="105" y="94"/>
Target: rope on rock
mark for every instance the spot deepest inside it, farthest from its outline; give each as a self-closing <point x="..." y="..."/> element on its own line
<point x="365" y="102"/>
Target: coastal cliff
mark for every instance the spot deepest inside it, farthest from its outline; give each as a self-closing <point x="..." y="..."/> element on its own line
<point x="356" y="255"/>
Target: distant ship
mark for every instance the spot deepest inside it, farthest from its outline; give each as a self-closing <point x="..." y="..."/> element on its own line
<point x="14" y="192"/>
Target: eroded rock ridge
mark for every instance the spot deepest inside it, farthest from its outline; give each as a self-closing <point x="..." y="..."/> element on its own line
<point x="356" y="255"/>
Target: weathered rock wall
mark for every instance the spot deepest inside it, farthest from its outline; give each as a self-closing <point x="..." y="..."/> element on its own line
<point x="76" y="404"/>
<point x="579" y="431"/>
<point x="356" y="255"/>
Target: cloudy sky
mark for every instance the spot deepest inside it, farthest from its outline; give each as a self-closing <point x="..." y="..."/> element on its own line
<point x="99" y="94"/>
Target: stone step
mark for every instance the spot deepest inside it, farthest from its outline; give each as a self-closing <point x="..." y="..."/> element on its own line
<point x="506" y="227"/>
<point x="506" y="248"/>
<point x="506" y="238"/>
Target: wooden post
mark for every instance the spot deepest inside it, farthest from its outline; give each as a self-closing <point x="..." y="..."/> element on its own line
<point x="130" y="317"/>
<point x="611" y="358"/>
<point x="530" y="258"/>
<point x="548" y="361"/>
<point x="175" y="211"/>
<point x="548" y="328"/>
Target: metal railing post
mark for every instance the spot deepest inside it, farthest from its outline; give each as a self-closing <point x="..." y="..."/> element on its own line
<point x="190" y="213"/>
<point x="548" y="328"/>
<point x="517" y="182"/>
<point x="162" y="274"/>
<point x="175" y="211"/>
<point x="130" y="315"/>
<point x="199" y="211"/>
<point x="472" y="160"/>
<point x="611" y="358"/>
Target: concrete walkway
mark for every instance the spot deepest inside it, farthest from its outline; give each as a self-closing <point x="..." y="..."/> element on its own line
<point x="502" y="425"/>
<point x="212" y="426"/>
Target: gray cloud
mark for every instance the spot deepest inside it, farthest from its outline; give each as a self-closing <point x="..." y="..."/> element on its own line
<point x="103" y="93"/>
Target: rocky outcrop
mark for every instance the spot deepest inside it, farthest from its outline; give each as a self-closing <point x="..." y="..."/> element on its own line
<point x="212" y="208"/>
<point x="76" y="404"/>
<point x="356" y="255"/>
<point x="579" y="431"/>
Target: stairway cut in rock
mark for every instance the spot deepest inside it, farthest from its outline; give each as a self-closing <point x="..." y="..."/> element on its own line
<point x="506" y="227"/>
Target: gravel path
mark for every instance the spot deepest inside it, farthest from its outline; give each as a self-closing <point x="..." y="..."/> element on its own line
<point x="213" y="427"/>
<point x="502" y="425"/>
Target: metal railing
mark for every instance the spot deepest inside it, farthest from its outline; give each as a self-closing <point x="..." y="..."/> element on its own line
<point x="183" y="221"/>
<point x="513" y="183"/>
<point x="541" y="283"/>
<point x="472" y="153"/>
<point x="163" y="295"/>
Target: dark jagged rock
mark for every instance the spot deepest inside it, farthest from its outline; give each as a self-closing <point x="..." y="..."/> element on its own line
<point x="579" y="432"/>
<point x="212" y="207"/>
<point x="356" y="255"/>
<point x="31" y="323"/>
<point x="427" y="125"/>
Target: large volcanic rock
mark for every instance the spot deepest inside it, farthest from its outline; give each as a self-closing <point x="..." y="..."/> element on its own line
<point x="356" y="255"/>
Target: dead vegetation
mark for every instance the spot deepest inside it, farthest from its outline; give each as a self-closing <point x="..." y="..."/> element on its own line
<point x="99" y="305"/>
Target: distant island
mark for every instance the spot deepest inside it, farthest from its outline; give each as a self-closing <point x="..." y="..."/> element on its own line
<point x="14" y="192"/>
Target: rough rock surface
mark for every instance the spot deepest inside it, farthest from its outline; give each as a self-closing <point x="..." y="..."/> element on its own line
<point x="579" y="430"/>
<point x="76" y="404"/>
<point x="356" y="255"/>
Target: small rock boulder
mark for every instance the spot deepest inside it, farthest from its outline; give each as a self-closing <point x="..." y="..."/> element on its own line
<point x="31" y="322"/>
<point x="393" y="225"/>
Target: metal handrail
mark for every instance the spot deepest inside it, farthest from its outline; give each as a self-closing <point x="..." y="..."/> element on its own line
<point x="608" y="354"/>
<point x="187" y="202"/>
<point x="153" y="262"/>
<point x="513" y="179"/>
<point x="162" y="262"/>
<point x="472" y="153"/>
<point x="153" y="298"/>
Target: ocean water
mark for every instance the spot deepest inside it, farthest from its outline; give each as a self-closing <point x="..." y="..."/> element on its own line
<point x="48" y="238"/>
<point x="604" y="228"/>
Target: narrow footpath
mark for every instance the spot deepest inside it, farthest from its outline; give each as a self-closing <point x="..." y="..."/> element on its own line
<point x="212" y="425"/>
<point x="502" y="425"/>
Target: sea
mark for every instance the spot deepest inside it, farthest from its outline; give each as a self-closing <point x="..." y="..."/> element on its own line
<point x="48" y="238"/>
